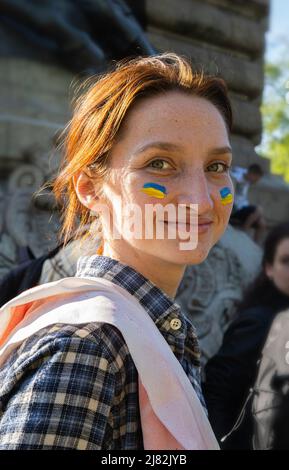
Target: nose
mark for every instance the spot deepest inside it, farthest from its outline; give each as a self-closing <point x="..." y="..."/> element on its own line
<point x="195" y="189"/>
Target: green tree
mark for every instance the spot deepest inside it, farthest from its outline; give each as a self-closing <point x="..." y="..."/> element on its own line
<point x="275" y="113"/>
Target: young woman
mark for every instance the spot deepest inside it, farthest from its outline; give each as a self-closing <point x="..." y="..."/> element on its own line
<point x="232" y="372"/>
<point x="150" y="132"/>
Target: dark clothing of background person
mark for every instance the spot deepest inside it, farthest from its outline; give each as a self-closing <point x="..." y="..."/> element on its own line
<point x="233" y="370"/>
<point x="23" y="277"/>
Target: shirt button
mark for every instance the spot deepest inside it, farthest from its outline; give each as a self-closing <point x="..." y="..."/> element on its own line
<point x="175" y="324"/>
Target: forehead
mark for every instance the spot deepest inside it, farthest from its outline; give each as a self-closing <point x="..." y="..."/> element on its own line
<point x="175" y="115"/>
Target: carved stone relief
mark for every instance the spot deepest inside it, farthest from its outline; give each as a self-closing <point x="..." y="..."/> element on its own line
<point x="25" y="219"/>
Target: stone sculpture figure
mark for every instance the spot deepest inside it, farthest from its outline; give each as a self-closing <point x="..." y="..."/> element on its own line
<point x="83" y="35"/>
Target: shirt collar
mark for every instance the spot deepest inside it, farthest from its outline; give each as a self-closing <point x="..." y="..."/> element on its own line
<point x="156" y="302"/>
<point x="162" y="309"/>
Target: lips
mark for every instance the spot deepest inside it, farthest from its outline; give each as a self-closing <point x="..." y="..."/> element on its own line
<point x="187" y="222"/>
<point x="204" y="221"/>
<point x="202" y="227"/>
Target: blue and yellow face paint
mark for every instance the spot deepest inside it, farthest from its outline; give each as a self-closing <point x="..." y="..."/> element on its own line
<point x="226" y="196"/>
<point x="154" y="190"/>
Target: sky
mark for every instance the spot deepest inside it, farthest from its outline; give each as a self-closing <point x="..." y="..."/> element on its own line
<point x="278" y="27"/>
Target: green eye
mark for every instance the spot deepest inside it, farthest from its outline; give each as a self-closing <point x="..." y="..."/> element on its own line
<point x="159" y="164"/>
<point x="219" y="167"/>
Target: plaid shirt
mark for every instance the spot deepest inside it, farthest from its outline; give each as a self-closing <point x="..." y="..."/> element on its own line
<point x="76" y="387"/>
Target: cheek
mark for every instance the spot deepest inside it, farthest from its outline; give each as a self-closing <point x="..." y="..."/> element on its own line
<point x="145" y="190"/>
<point x="225" y="195"/>
<point x="223" y="200"/>
<point x="123" y="185"/>
<point x="283" y="272"/>
<point x="133" y="197"/>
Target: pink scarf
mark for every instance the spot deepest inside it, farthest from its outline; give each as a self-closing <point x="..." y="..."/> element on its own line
<point x="172" y="416"/>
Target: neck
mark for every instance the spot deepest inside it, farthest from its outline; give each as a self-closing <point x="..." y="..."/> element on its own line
<point x="165" y="275"/>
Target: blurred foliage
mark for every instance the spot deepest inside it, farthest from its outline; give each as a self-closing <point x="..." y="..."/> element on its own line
<point x="275" y="113"/>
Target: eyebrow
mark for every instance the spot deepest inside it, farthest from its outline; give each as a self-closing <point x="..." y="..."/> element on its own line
<point x="175" y="147"/>
<point x="159" y="146"/>
<point x="220" y="150"/>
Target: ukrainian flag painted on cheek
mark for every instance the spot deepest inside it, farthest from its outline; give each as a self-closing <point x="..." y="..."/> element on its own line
<point x="226" y="196"/>
<point x="154" y="189"/>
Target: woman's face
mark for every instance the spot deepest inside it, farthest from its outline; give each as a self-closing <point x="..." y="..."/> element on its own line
<point x="180" y="143"/>
<point x="279" y="270"/>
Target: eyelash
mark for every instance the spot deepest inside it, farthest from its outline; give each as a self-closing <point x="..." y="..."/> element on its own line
<point x="225" y="166"/>
<point x="157" y="160"/>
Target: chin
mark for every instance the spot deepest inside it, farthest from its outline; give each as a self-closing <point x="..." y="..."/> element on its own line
<point x="196" y="256"/>
<point x="175" y="255"/>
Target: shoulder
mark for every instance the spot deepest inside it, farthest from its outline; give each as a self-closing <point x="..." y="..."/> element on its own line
<point x="250" y="326"/>
<point x="243" y="340"/>
<point x="260" y="314"/>
<point x="68" y="385"/>
<point x="95" y="344"/>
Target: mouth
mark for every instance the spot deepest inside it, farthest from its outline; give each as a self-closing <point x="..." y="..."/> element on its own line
<point x="202" y="227"/>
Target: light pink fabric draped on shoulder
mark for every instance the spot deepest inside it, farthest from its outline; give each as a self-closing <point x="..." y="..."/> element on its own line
<point x="172" y="416"/>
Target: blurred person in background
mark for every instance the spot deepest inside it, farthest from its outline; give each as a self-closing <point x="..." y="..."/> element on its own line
<point x="232" y="372"/>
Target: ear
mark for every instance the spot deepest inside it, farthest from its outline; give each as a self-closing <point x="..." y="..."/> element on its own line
<point x="85" y="190"/>
<point x="269" y="271"/>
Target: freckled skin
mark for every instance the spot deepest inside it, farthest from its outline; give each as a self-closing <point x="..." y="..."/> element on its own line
<point x="153" y="189"/>
<point x="196" y="125"/>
